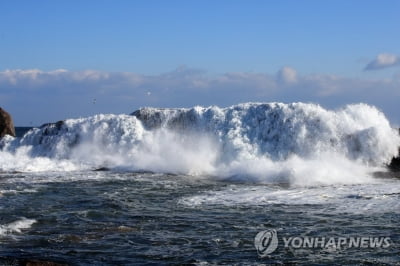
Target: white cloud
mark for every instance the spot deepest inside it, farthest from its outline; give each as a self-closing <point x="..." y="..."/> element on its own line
<point x="383" y="60"/>
<point x="42" y="96"/>
<point x="287" y="75"/>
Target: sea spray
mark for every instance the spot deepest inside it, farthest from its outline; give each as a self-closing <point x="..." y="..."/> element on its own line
<point x="298" y="143"/>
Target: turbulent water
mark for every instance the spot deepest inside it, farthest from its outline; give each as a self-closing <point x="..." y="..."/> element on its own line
<point x="196" y="186"/>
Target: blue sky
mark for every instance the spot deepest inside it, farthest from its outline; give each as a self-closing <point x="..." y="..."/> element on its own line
<point x="127" y="54"/>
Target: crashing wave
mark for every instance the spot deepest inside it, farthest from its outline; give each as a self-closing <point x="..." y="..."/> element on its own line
<point x="264" y="142"/>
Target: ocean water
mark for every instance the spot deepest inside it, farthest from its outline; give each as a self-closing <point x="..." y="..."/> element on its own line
<point x="195" y="186"/>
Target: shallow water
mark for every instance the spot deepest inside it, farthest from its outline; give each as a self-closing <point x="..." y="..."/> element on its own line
<point x="110" y="217"/>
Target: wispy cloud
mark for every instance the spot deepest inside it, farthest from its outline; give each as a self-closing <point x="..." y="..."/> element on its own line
<point x="287" y="75"/>
<point x="383" y="60"/>
<point x="42" y="96"/>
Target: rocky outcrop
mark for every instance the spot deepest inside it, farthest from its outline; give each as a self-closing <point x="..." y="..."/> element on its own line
<point x="171" y="118"/>
<point x="6" y="124"/>
<point x="152" y="118"/>
<point x="395" y="163"/>
<point x="49" y="130"/>
<point x="52" y="128"/>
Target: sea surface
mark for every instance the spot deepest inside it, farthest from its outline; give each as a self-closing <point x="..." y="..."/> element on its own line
<point x="104" y="218"/>
<point x="250" y="184"/>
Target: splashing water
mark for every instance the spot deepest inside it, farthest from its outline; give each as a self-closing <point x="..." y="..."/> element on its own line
<point x="298" y="143"/>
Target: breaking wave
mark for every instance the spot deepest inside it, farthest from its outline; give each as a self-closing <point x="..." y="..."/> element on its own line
<point x="296" y="143"/>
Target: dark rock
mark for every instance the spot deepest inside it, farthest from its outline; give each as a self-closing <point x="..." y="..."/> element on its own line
<point x="150" y="118"/>
<point x="50" y="132"/>
<point x="395" y="163"/>
<point x="51" y="129"/>
<point x="6" y="124"/>
<point x="57" y="125"/>
<point x="177" y="119"/>
<point x="102" y="169"/>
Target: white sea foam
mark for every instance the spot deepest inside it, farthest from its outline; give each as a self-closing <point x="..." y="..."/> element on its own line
<point x="301" y="144"/>
<point x="16" y="226"/>
<point x="379" y="196"/>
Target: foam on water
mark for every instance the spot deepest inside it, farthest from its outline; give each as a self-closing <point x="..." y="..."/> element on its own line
<point x="377" y="197"/>
<point x="300" y="144"/>
<point x="16" y="226"/>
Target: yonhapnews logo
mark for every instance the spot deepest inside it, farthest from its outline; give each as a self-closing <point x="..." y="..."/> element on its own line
<point x="266" y="242"/>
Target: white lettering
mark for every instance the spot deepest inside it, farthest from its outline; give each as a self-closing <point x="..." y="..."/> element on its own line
<point x="319" y="242"/>
<point x="386" y="241"/>
<point x="287" y="241"/>
<point x="331" y="243"/>
<point x="354" y="242"/>
<point x="364" y="242"/>
<point x="341" y="241"/>
<point x="299" y="242"/>
<point x="375" y="242"/>
<point x="308" y="242"/>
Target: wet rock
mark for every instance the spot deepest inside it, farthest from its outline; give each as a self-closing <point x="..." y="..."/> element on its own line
<point x="172" y="118"/>
<point x="150" y="118"/>
<point x="6" y="124"/>
<point x="52" y="128"/>
<point x="102" y="169"/>
<point x="395" y="163"/>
